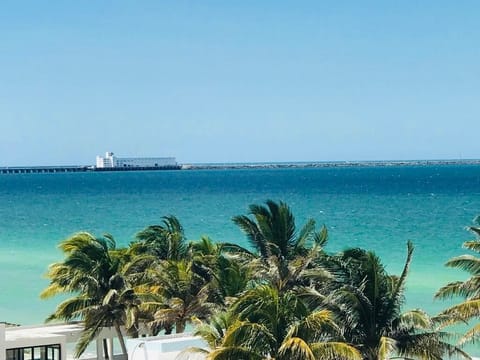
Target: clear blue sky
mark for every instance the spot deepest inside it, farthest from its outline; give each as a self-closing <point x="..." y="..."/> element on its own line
<point x="238" y="81"/>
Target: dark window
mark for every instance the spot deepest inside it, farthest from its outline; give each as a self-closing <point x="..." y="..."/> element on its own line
<point x="46" y="352"/>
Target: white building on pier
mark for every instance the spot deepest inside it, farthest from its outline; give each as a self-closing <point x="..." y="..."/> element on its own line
<point x="112" y="161"/>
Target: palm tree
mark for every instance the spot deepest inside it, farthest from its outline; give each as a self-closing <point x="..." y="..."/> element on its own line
<point x="368" y="302"/>
<point x="287" y="258"/>
<point x="185" y="296"/>
<point x="166" y="241"/>
<point x="468" y="289"/>
<point x="267" y="324"/>
<point x="225" y="266"/>
<point x="214" y="330"/>
<point x="186" y="288"/>
<point x="101" y="296"/>
<point x="272" y="231"/>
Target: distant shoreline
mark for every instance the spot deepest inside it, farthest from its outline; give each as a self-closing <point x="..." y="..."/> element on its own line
<point x="228" y="166"/>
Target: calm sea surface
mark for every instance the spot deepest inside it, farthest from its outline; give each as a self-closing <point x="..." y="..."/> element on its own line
<point x="375" y="208"/>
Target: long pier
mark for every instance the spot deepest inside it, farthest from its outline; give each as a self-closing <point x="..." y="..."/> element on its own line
<point x="90" y="168"/>
<point x="70" y="169"/>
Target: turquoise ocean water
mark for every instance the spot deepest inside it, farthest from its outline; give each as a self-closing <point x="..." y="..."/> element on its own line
<point x="377" y="208"/>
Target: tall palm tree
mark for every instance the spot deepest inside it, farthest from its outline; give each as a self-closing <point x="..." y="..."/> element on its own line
<point x="267" y="324"/>
<point x="368" y="301"/>
<point x="468" y="289"/>
<point x="101" y="296"/>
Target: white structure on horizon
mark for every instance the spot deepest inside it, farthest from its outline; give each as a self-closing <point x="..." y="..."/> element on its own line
<point x="111" y="161"/>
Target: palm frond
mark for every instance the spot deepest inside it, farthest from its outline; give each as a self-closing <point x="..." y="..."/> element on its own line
<point x="254" y="236"/>
<point x="472" y="335"/>
<point x="429" y="346"/>
<point x="321" y="237"/>
<point x="335" y="350"/>
<point x="75" y="242"/>
<point x="306" y="233"/>
<point x="469" y="263"/>
<point x="386" y="347"/>
<point x="459" y="288"/>
<point x="193" y="353"/>
<point x="464" y="311"/>
<point x="73" y="308"/>
<point x="251" y="336"/>
<point x="213" y="332"/>
<point x="316" y="325"/>
<point x="295" y="348"/>
<point x="90" y="333"/>
<point x="234" y="352"/>
<point x="473" y="245"/>
<point x="52" y="290"/>
<point x="417" y="319"/>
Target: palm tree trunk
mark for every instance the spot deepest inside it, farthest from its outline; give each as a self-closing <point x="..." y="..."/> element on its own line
<point x="180" y="327"/>
<point x="134" y="330"/>
<point x="120" y="338"/>
<point x="168" y="329"/>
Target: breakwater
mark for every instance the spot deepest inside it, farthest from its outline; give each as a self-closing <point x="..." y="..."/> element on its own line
<point x="329" y="164"/>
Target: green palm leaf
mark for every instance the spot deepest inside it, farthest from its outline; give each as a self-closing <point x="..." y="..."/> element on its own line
<point x="295" y="348"/>
<point x="251" y="336"/>
<point x="234" y="352"/>
<point x="465" y="289"/>
<point x="471" y="336"/>
<point x="416" y="318"/>
<point x="306" y="233"/>
<point x="473" y="245"/>
<point x="255" y="237"/>
<point x="386" y="347"/>
<point x="335" y="350"/>
<point x="469" y="263"/>
<point x="314" y="326"/>
<point x="465" y="310"/>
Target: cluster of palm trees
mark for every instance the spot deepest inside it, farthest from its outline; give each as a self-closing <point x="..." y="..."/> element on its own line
<point x="283" y="298"/>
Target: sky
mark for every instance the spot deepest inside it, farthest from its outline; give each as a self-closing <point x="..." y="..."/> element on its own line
<point x="238" y="81"/>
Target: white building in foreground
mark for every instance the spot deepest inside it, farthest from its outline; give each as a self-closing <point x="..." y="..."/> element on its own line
<point x="53" y="342"/>
<point x="112" y="161"/>
<point x="57" y="342"/>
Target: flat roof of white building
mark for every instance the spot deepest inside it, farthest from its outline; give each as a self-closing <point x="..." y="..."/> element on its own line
<point x="17" y="333"/>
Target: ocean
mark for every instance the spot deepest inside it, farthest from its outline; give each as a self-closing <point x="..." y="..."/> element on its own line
<point x="377" y="208"/>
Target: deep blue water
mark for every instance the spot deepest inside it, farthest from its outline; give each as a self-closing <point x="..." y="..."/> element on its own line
<point x="378" y="208"/>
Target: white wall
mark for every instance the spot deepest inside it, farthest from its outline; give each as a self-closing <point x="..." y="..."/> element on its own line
<point x="164" y="347"/>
